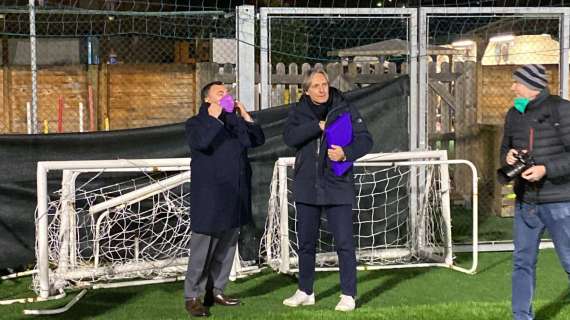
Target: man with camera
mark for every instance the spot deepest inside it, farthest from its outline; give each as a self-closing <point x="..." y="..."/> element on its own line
<point x="535" y="152"/>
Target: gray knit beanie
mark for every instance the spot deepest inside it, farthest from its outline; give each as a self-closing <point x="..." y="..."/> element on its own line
<point x="533" y="76"/>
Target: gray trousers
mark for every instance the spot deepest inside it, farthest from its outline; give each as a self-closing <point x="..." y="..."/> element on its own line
<point x="210" y="262"/>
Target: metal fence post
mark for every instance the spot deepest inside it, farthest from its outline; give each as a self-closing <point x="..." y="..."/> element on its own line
<point x="245" y="34"/>
<point x="33" y="66"/>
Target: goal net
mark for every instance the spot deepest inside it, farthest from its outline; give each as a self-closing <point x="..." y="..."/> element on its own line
<point x="113" y="223"/>
<point x="401" y="217"/>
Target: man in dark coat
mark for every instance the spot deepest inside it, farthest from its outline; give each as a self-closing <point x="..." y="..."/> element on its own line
<point x="317" y="188"/>
<point x="220" y="199"/>
<point x="538" y="124"/>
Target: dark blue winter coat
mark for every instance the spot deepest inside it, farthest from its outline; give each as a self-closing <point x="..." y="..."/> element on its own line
<point x="315" y="183"/>
<point x="220" y="185"/>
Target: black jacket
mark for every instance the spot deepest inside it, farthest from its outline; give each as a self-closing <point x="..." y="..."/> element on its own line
<point x="315" y="183"/>
<point x="550" y="147"/>
<point x="220" y="186"/>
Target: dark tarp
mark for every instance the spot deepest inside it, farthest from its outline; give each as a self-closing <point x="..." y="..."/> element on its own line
<point x="384" y="108"/>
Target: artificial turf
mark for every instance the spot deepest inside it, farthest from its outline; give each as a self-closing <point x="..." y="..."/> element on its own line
<point x="418" y="293"/>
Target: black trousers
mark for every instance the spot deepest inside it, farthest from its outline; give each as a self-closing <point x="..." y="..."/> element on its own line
<point x="340" y="225"/>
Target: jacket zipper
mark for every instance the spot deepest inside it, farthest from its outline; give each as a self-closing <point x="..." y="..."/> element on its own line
<point x="320" y="141"/>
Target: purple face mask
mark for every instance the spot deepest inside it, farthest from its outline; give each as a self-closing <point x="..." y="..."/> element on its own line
<point x="227" y="103"/>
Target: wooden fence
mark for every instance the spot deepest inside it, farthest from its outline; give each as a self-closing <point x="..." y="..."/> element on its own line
<point x="145" y="95"/>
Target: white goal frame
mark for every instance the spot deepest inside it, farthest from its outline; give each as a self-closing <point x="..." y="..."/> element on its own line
<point x="281" y="261"/>
<point x="66" y="263"/>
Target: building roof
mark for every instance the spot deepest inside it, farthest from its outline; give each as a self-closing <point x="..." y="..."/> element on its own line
<point x="390" y="47"/>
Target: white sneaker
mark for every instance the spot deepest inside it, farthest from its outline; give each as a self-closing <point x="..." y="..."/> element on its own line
<point x="346" y="303"/>
<point x="300" y="298"/>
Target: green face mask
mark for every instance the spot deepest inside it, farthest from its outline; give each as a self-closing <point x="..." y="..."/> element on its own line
<point x="520" y="104"/>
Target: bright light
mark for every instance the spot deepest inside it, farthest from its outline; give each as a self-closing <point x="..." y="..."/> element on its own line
<point x="379" y="4"/>
<point x="502" y="38"/>
<point x="463" y="43"/>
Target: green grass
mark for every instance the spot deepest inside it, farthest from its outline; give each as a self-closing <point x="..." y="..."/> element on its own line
<point x="419" y="293"/>
<point x="491" y="228"/>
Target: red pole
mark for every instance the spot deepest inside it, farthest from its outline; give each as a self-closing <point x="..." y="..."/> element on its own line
<point x="60" y="115"/>
<point x="91" y="111"/>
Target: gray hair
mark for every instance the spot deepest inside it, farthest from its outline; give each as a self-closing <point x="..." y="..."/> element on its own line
<point x="309" y="74"/>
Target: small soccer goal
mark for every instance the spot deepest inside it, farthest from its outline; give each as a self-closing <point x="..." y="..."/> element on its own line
<point x="402" y="215"/>
<point x="113" y="223"/>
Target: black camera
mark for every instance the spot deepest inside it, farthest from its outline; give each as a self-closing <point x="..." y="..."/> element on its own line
<point x="509" y="172"/>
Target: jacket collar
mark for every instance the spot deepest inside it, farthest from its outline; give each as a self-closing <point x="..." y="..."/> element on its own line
<point x="203" y="111"/>
<point x="337" y="101"/>
<point x="540" y="98"/>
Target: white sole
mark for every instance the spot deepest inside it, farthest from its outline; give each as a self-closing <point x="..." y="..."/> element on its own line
<point x="343" y="310"/>
<point x="297" y="305"/>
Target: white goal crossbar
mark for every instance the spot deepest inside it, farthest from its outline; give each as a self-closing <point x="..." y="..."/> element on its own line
<point x="424" y="185"/>
<point x="59" y="265"/>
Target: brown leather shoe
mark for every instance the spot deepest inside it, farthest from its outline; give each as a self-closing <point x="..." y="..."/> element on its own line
<point x="196" y="309"/>
<point x="224" y="300"/>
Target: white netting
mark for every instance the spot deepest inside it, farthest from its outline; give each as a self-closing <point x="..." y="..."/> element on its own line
<point x="144" y="236"/>
<point x="395" y="221"/>
<point x="109" y="225"/>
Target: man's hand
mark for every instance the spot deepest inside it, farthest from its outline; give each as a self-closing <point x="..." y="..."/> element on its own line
<point x="511" y="159"/>
<point x="214" y="110"/>
<point x="243" y="112"/>
<point x="534" y="173"/>
<point x="322" y="125"/>
<point x="336" y="153"/>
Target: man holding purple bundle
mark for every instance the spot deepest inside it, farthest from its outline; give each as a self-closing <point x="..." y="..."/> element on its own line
<point x="324" y="181"/>
<point x="220" y="198"/>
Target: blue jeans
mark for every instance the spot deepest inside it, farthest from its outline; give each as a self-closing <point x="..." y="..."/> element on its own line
<point x="530" y="222"/>
<point x="339" y="221"/>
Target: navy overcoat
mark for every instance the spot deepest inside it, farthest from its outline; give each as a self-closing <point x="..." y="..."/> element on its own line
<point x="220" y="197"/>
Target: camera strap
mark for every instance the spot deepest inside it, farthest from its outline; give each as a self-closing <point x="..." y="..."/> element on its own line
<point x="530" y="139"/>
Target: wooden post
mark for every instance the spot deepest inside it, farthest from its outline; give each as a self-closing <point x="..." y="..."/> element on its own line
<point x="93" y="95"/>
<point x="293" y="88"/>
<point x="444" y="106"/>
<point x="60" y="104"/>
<point x="277" y="94"/>
<point x="459" y="95"/>
<point x="6" y="85"/>
<point x="470" y="93"/>
<point x="91" y="108"/>
<point x="103" y="96"/>
<point x="352" y="73"/>
<point x="392" y="68"/>
<point x="205" y="73"/>
<point x="432" y="107"/>
<point x="462" y="141"/>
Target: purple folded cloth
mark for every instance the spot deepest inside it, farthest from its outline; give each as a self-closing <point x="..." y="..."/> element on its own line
<point x="227" y="103"/>
<point x="339" y="133"/>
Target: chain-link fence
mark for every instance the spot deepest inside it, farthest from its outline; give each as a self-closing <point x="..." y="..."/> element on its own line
<point x="105" y="69"/>
<point x="119" y="64"/>
<point x="357" y="48"/>
<point x="466" y="110"/>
